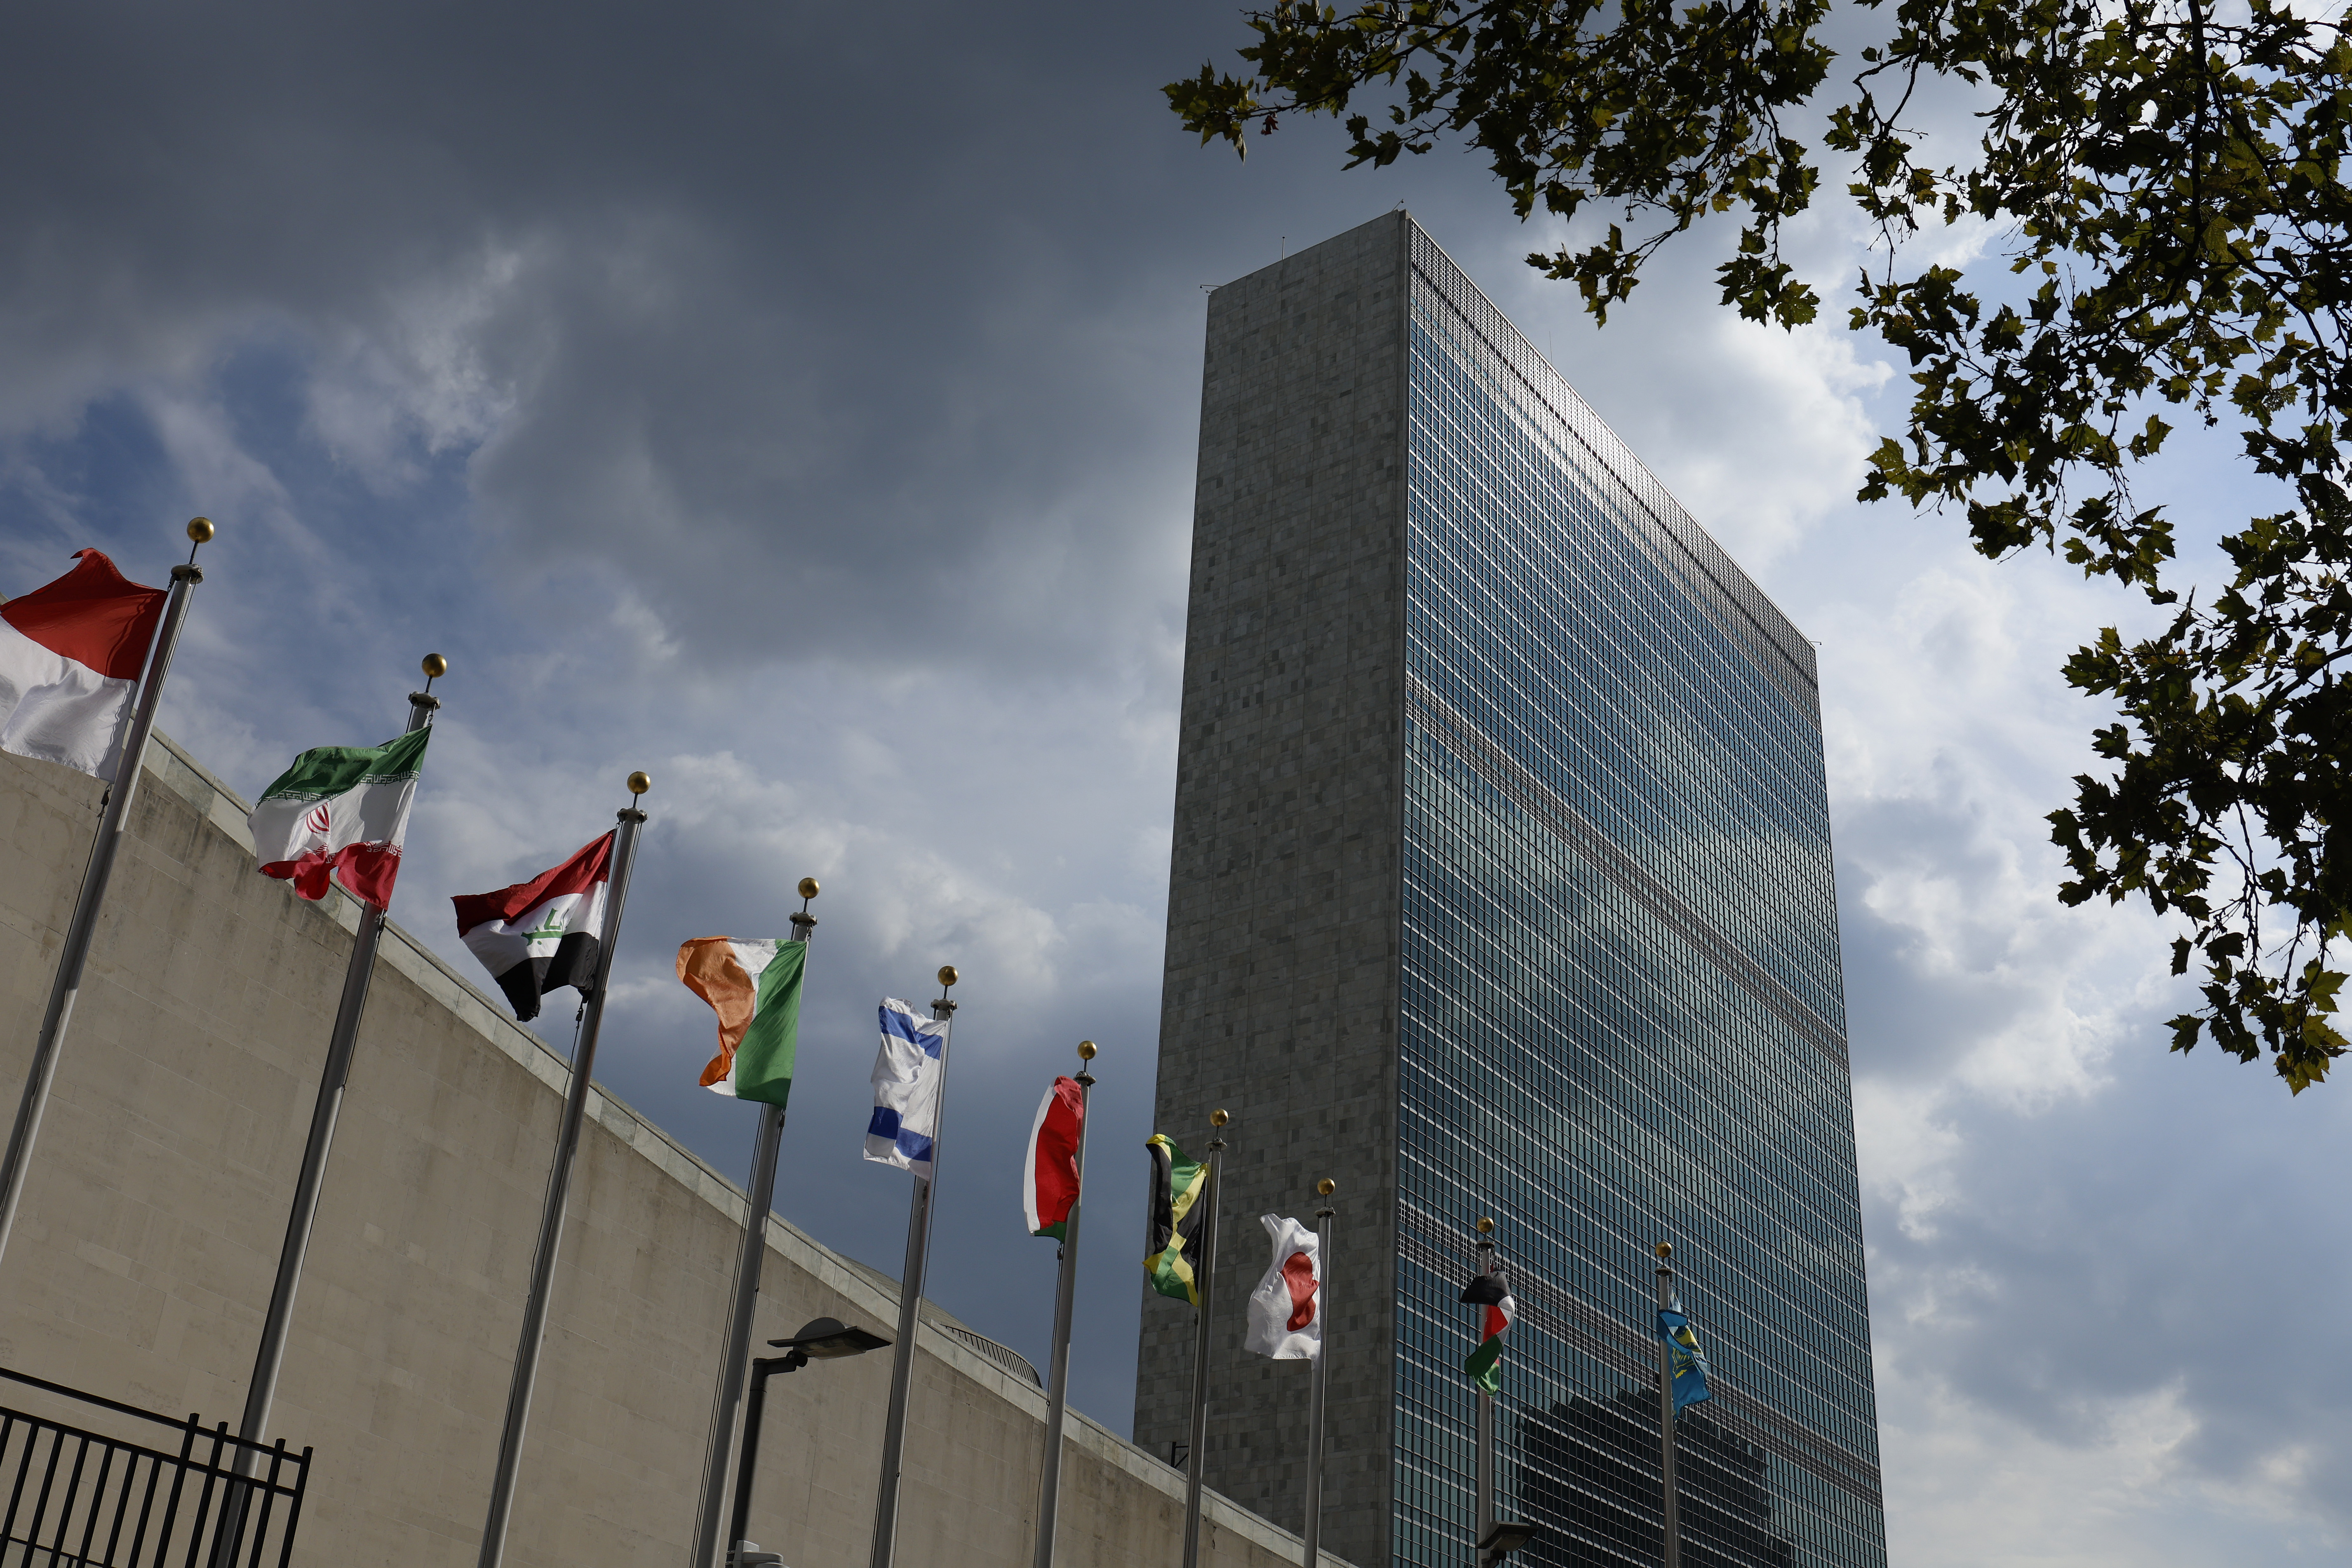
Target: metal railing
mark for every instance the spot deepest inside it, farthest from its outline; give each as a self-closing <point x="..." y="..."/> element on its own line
<point x="79" y="1499"/>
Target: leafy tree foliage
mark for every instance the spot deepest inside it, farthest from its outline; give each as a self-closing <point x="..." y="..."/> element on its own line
<point x="2164" y="183"/>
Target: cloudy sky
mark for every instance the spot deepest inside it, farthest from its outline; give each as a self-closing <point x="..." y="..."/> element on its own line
<point x="798" y="403"/>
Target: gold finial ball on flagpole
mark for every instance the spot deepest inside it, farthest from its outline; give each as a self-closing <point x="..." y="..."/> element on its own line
<point x="434" y="666"/>
<point x="1218" y="1118"/>
<point x="1086" y="1050"/>
<point x="808" y="887"/>
<point x="200" y="529"/>
<point x="948" y="976"/>
<point x="1326" y="1187"/>
<point x="640" y="782"/>
<point x="1486" y="1227"/>
<point x="1666" y="1248"/>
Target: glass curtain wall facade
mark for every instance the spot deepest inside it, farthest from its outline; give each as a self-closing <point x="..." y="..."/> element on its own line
<point x="1622" y="1018"/>
<point x="1501" y="885"/>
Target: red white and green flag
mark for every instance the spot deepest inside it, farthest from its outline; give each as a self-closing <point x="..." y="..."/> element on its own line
<point x="341" y="811"/>
<point x="1487" y="1291"/>
<point x="1049" y="1176"/>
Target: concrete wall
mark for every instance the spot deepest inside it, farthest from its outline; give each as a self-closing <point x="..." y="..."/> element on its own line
<point x="150" y="1225"/>
<point x="1283" y="912"/>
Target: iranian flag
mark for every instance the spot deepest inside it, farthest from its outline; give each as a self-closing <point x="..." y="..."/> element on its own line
<point x="70" y="653"/>
<point x="542" y="935"/>
<point x="753" y="984"/>
<point x="1049" y="1176"/>
<point x="1485" y="1367"/>
<point x="341" y="811"/>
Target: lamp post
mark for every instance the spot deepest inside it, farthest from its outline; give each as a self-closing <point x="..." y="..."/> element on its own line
<point x="821" y="1339"/>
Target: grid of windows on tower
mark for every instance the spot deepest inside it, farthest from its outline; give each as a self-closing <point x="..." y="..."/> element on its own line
<point x="1623" y="1019"/>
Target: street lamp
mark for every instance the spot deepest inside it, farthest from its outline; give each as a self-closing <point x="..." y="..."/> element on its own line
<point x="1502" y="1539"/>
<point x="821" y="1339"/>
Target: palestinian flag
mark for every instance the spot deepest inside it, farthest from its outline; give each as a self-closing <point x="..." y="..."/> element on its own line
<point x="1484" y="1366"/>
<point x="341" y="810"/>
<point x="1178" y="1209"/>
<point x="542" y="935"/>
<point x="1049" y="1176"/>
<point x="753" y="984"/>
<point x="70" y="653"/>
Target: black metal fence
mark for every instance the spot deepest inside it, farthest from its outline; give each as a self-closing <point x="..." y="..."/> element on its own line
<point x="78" y="1499"/>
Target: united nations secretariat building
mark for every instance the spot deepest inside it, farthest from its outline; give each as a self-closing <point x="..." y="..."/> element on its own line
<point x="1502" y="887"/>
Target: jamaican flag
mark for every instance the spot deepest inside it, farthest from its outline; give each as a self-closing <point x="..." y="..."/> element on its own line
<point x="1179" y="1188"/>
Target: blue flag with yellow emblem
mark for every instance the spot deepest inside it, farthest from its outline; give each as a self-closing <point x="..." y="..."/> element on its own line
<point x="1689" y="1362"/>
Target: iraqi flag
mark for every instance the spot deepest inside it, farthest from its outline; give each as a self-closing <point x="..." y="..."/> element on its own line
<point x="542" y="935"/>
<point x="341" y="810"/>
<point x="1049" y="1176"/>
<point x="1484" y="1366"/>
<point x="70" y="653"/>
<point x="753" y="984"/>
<point x="1285" y="1310"/>
<point x="907" y="1072"/>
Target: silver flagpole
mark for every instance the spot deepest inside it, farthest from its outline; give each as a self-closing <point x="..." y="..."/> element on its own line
<point x="1484" y="1525"/>
<point x="1205" y="1272"/>
<point x="911" y="1302"/>
<point x="734" y="1366"/>
<point x="263" y="1390"/>
<point x="1319" y="1381"/>
<point x="66" y="987"/>
<point x="1065" y="1298"/>
<point x="559" y="1183"/>
<point x="1674" y="1527"/>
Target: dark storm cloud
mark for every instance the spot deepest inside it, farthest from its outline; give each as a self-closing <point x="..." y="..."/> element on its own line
<point x="783" y="304"/>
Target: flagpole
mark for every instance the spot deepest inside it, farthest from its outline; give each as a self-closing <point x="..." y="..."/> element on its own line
<point x="629" y="820"/>
<point x="727" y="1408"/>
<point x="262" y="1391"/>
<point x="66" y="987"/>
<point x="1673" y="1530"/>
<point x="911" y="1302"/>
<point x="1320" y="1380"/>
<point x="1484" y="1503"/>
<point x="1057" y="1364"/>
<point x="1205" y="1272"/>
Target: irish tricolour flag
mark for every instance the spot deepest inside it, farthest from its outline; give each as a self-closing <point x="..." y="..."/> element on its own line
<point x="341" y="811"/>
<point x="70" y="653"/>
<point x="753" y="984"/>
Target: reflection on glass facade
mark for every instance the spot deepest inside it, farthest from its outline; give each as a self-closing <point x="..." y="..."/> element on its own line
<point x="1620" y="1016"/>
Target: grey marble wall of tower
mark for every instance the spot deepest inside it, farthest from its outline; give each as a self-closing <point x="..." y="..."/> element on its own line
<point x="1283" y="916"/>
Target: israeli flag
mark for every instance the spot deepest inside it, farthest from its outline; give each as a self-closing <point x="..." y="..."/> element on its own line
<point x="907" y="1075"/>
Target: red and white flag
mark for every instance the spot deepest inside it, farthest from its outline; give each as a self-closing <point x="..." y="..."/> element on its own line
<point x="1049" y="1177"/>
<point x="70" y="653"/>
<point x="1285" y="1310"/>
